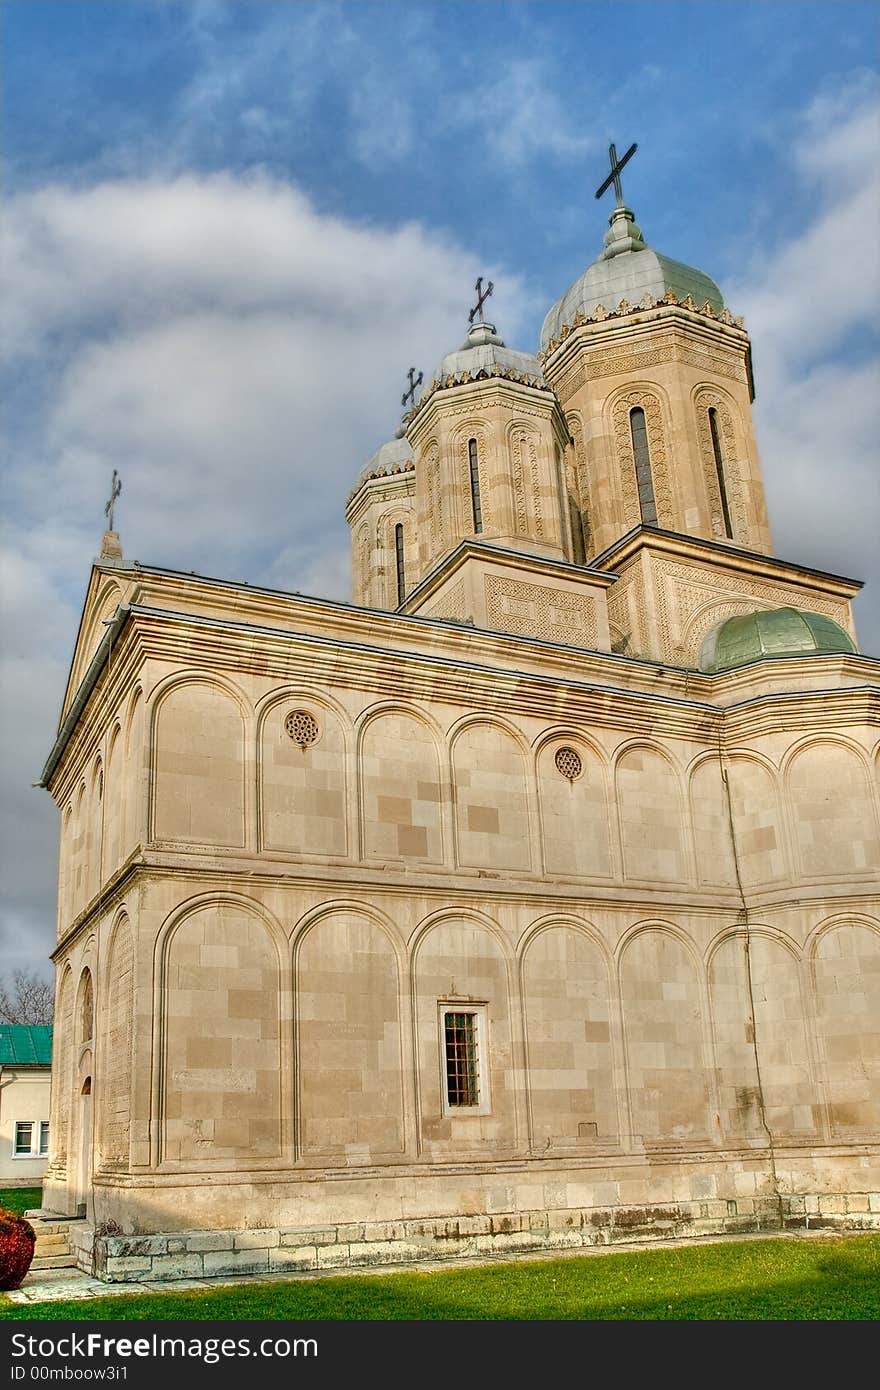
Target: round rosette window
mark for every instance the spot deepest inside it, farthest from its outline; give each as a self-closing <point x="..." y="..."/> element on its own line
<point x="568" y="762"/>
<point x="301" y="727"/>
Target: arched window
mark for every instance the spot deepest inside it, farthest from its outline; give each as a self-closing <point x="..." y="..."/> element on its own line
<point x="475" y="486"/>
<point x="639" y="432"/>
<point x="719" y="469"/>
<point x="398" y="550"/>
<point x="87" y="1008"/>
<point x="577" y="531"/>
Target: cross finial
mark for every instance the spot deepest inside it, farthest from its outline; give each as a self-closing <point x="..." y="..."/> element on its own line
<point x="482" y="296"/>
<point x="614" y="176"/>
<point x="115" y="489"/>
<point x="408" y="397"/>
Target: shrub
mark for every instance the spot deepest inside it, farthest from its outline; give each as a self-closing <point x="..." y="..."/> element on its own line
<point x="17" y="1241"/>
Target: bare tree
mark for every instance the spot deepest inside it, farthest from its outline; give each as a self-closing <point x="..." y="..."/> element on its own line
<point x="27" y="998"/>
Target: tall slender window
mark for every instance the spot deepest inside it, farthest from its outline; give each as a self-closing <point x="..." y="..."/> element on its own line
<point x="577" y="531"/>
<point x="719" y="469"/>
<point x="398" y="549"/>
<point x="475" y="485"/>
<point x="639" y="431"/>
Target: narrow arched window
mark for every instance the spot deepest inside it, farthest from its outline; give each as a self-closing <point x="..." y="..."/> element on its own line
<point x="719" y="469"/>
<point x="475" y="485"/>
<point x="639" y="432"/>
<point x="577" y="531"/>
<point x="398" y="550"/>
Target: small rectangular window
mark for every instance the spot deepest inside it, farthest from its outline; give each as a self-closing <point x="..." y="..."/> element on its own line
<point x="24" y="1132"/>
<point x="463" y="1050"/>
<point x="44" y="1136"/>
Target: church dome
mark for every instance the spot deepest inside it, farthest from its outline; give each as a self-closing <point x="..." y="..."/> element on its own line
<point x="483" y="351"/>
<point x="628" y="269"/>
<point x="768" y="634"/>
<point x="393" y="457"/>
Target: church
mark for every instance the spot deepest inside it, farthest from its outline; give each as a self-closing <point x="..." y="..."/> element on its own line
<point x="527" y="902"/>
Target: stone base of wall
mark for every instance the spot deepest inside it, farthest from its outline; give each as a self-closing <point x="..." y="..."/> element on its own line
<point x="204" y="1254"/>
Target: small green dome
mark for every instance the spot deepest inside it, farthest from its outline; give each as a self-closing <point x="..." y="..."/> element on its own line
<point x="771" y="633"/>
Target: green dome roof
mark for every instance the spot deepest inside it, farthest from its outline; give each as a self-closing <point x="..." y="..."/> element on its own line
<point x="771" y="633"/>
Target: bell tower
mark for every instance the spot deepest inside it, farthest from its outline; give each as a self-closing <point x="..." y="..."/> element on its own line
<point x="653" y="373"/>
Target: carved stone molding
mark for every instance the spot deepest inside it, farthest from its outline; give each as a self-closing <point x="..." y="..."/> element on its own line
<point x="463" y="488"/>
<point x="558" y="615"/>
<point x="526" y="483"/>
<point x="451" y="606"/>
<point x="704" y="401"/>
<point x="696" y="600"/>
<point x="660" y="476"/>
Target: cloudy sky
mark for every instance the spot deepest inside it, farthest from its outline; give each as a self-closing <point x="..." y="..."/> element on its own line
<point x="231" y="228"/>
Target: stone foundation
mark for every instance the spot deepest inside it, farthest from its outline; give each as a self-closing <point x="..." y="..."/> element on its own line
<point x="273" y="1250"/>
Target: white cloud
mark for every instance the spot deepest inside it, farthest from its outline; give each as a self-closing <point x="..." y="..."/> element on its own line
<point x="521" y="117"/>
<point x="238" y="357"/>
<point x="810" y="302"/>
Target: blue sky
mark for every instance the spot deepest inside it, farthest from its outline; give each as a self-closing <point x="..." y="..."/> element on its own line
<point x="232" y="227"/>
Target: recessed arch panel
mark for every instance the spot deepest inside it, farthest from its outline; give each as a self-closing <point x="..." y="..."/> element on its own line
<point x="348" y="1028"/>
<point x="492" y="814"/>
<point x="572" y="1098"/>
<point x="663" y="1022"/>
<point x="400" y="789"/>
<point x="198" y="762"/>
<point x="221" y="1069"/>
<point x="846" y="983"/>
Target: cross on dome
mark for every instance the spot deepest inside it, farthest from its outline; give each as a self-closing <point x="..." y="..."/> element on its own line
<point x="614" y="176"/>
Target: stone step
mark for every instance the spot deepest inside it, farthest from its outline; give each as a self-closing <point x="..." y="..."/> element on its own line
<point x="49" y="1220"/>
<point x="55" y="1244"/>
<point x="53" y="1262"/>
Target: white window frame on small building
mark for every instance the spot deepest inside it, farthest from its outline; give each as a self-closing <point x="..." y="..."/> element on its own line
<point x="480" y="1014"/>
<point x="39" y="1135"/>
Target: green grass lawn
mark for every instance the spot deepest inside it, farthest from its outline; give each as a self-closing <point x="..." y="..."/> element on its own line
<point x="818" y="1278"/>
<point x="21" y="1199"/>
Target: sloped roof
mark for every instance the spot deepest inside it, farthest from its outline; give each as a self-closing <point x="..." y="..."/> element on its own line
<point x="25" y="1045"/>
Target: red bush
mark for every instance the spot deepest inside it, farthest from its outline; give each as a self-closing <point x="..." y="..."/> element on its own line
<point x="17" y="1242"/>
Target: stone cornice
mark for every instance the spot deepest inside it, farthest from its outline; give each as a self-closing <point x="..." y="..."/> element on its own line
<point x="433" y="659"/>
<point x="520" y="560"/>
<point x="504" y="382"/>
<point x="340" y="878"/>
<point x="669" y="310"/>
<point x="400" y="477"/>
<point x="715" y="554"/>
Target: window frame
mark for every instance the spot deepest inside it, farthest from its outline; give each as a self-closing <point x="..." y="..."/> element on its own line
<point x="476" y="498"/>
<point x="36" y="1132"/>
<point x="641" y="447"/>
<point x="480" y="1011"/>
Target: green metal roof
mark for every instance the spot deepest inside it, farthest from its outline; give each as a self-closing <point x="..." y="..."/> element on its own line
<point x="771" y="633"/>
<point x="25" y="1045"/>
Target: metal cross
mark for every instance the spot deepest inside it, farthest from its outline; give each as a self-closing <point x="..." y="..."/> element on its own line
<point x="414" y="381"/>
<point x="614" y="176"/>
<point x="115" y="489"/>
<point x="482" y="296"/>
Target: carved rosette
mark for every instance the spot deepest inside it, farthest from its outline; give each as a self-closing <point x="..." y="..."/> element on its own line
<point x="705" y="400"/>
<point x="658" y="455"/>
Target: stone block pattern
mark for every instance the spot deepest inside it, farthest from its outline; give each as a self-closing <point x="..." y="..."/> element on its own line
<point x="292" y="1250"/>
<point x="349" y="1061"/>
<point x="222" y="1070"/>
